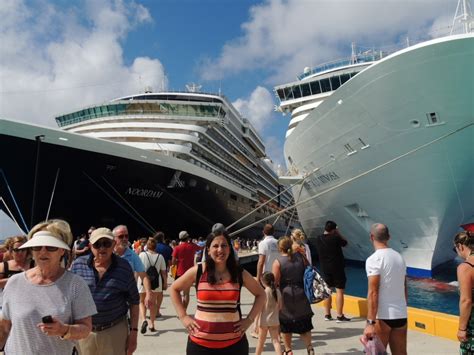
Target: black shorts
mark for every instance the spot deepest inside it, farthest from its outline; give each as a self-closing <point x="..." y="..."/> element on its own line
<point x="239" y="348"/>
<point x="395" y="323"/>
<point x="335" y="278"/>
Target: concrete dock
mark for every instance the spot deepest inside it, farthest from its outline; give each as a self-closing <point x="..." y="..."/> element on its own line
<point x="328" y="337"/>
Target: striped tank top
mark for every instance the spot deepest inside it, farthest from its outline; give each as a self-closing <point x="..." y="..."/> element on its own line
<point x="216" y="314"/>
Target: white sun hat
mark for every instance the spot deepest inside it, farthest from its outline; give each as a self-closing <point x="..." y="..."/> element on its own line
<point x="45" y="238"/>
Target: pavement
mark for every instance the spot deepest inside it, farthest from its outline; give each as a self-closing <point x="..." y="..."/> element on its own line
<point x="328" y="337"/>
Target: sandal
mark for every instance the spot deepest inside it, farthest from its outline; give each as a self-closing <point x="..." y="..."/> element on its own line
<point x="144" y="326"/>
<point x="288" y="352"/>
<point x="310" y="350"/>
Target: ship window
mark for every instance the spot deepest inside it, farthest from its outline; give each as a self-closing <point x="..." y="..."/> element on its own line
<point x="281" y="94"/>
<point x="432" y="118"/>
<point x="354" y="74"/>
<point x="296" y="91"/>
<point x="335" y="83"/>
<point x="344" y="78"/>
<point x="233" y="197"/>
<point x="288" y="93"/>
<point x="315" y="88"/>
<point x="306" y="90"/>
<point x="325" y="85"/>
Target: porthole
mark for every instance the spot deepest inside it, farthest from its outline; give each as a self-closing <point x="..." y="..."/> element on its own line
<point x="415" y="123"/>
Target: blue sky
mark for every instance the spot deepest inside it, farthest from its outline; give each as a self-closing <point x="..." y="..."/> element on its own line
<point x="58" y="56"/>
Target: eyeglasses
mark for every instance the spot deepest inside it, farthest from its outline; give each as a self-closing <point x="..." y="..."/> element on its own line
<point x="48" y="248"/>
<point x="123" y="236"/>
<point x="106" y="243"/>
<point x="18" y="250"/>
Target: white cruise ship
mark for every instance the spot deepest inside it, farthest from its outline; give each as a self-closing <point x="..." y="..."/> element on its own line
<point x="387" y="138"/>
<point x="154" y="161"/>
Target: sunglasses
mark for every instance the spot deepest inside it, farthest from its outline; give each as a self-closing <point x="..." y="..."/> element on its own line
<point x="107" y="243"/>
<point x="18" y="250"/>
<point x="48" y="248"/>
<point x="123" y="236"/>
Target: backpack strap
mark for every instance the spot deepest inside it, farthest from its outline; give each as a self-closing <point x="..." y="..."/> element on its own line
<point x="149" y="262"/>
<point x="467" y="262"/>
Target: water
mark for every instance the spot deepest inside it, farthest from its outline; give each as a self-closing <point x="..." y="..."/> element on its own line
<point x="434" y="294"/>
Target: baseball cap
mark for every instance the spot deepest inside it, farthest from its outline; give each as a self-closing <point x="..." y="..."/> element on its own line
<point x="218" y="228"/>
<point x="100" y="233"/>
<point x="183" y="235"/>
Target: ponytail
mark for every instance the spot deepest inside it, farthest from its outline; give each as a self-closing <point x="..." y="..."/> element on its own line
<point x="269" y="279"/>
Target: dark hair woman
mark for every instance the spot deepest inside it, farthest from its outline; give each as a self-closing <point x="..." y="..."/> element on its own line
<point x="296" y="313"/>
<point x="219" y="281"/>
<point x="464" y="247"/>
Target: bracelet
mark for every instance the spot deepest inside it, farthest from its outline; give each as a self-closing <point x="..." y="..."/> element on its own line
<point x="134" y="329"/>
<point x="462" y="330"/>
<point x="67" y="334"/>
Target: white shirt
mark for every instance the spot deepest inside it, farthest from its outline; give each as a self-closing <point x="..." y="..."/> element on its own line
<point x="391" y="267"/>
<point x="268" y="247"/>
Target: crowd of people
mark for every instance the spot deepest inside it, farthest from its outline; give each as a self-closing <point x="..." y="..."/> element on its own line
<point x="93" y="295"/>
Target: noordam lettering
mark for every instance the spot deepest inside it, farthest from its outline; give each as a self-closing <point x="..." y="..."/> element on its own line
<point x="135" y="191"/>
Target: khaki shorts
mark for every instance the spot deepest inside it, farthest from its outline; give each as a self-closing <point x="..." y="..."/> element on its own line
<point x="111" y="341"/>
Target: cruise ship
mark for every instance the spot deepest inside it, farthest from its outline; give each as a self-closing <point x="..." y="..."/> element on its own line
<point x="386" y="137"/>
<point x="165" y="161"/>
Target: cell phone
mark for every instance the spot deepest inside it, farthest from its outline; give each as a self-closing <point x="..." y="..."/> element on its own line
<point x="47" y="319"/>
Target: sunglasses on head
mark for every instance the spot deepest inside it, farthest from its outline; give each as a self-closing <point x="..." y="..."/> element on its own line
<point x="48" y="248"/>
<point x="106" y="243"/>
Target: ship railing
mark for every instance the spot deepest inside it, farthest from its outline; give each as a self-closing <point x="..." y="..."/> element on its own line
<point x="369" y="54"/>
<point x="92" y="113"/>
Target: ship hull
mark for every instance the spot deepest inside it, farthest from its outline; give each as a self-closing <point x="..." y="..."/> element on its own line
<point x="394" y="145"/>
<point x="90" y="182"/>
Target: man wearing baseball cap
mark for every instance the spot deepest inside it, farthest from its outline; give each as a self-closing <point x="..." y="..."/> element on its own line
<point x="114" y="289"/>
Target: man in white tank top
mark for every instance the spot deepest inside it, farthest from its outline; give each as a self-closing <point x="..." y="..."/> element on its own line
<point x="387" y="294"/>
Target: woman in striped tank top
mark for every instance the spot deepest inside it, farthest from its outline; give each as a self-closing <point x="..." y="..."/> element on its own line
<point x="217" y="326"/>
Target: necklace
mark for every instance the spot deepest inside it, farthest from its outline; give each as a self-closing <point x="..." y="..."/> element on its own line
<point x="220" y="276"/>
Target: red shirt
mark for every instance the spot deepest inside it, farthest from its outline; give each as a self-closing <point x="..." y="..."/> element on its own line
<point x="185" y="255"/>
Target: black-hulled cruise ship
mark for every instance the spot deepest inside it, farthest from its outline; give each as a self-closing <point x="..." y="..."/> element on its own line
<point x="155" y="161"/>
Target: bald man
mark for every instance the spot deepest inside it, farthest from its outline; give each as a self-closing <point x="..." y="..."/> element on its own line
<point x="387" y="294"/>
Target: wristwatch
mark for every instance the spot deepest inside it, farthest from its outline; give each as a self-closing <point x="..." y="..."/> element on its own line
<point x="370" y="322"/>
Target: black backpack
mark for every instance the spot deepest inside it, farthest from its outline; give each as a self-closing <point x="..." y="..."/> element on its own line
<point x="152" y="273"/>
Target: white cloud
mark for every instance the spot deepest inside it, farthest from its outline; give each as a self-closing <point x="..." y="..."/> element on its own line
<point x="53" y="61"/>
<point x="257" y="108"/>
<point x="284" y="36"/>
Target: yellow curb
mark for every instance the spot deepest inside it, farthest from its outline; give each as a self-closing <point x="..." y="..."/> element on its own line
<point x="428" y="322"/>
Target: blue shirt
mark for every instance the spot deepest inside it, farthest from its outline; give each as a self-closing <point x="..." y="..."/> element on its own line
<point x="134" y="260"/>
<point x="113" y="293"/>
<point x="165" y="250"/>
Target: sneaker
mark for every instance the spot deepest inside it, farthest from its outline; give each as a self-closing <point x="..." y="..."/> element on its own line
<point x="328" y="317"/>
<point x="342" y="319"/>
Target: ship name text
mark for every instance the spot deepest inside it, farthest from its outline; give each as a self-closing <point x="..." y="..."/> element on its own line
<point x="136" y="191"/>
<point x="322" y="179"/>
